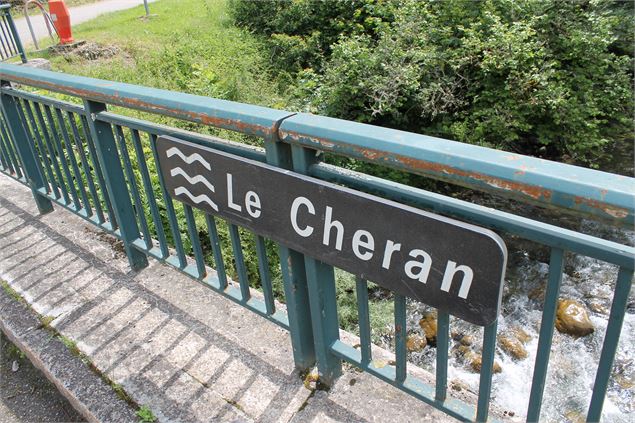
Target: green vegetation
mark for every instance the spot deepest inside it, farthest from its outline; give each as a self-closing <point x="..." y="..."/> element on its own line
<point x="71" y="345"/>
<point x="540" y="77"/>
<point x="45" y="321"/>
<point x="11" y="292"/>
<point x="145" y="415"/>
<point x="14" y="352"/>
<point x="190" y="46"/>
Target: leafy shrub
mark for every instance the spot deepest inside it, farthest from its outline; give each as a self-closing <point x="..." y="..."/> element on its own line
<point x="546" y="78"/>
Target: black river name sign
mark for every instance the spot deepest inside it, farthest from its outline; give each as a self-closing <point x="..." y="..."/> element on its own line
<point x="450" y="265"/>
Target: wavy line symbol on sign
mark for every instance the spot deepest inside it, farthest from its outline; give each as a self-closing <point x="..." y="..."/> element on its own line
<point x="173" y="151"/>
<point x="198" y="199"/>
<point x="192" y="180"/>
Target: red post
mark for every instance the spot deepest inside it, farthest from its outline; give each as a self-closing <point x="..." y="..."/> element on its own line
<point x="61" y="18"/>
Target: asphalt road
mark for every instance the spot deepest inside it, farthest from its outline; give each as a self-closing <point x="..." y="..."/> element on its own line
<point x="26" y="396"/>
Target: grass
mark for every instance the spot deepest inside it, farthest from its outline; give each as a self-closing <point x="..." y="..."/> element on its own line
<point x="46" y="321"/>
<point x="72" y="346"/>
<point x="190" y="46"/>
<point x="11" y="292"/>
<point x="14" y="352"/>
<point x="145" y="415"/>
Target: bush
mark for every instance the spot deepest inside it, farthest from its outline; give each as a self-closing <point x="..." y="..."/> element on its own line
<point x="546" y="78"/>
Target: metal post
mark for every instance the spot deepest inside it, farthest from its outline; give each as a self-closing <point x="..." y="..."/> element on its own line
<point x="106" y="148"/>
<point x="294" y="277"/>
<point x="145" y="4"/>
<point x="25" y="150"/>
<point x="322" y="294"/>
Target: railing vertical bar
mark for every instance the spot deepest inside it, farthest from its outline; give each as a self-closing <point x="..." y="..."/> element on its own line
<point x="4" y="165"/>
<point x="147" y="183"/>
<point x="293" y="270"/>
<point x="32" y="140"/>
<point x="195" y="241"/>
<point x="106" y="147"/>
<point x="67" y="179"/>
<point x="322" y="293"/>
<point x="87" y="169"/>
<point x="609" y="346"/>
<point x="43" y="150"/>
<point x="4" y="39"/>
<point x="26" y="150"/>
<point x="217" y="250"/>
<point x="16" y="38"/>
<point x="443" y="344"/>
<point x="19" y="166"/>
<point x="363" y="312"/>
<point x="59" y="181"/>
<point x="99" y="172"/>
<point x="265" y="277"/>
<point x="4" y="162"/>
<point x="239" y="259"/>
<point x="4" y="141"/>
<point x="169" y="206"/>
<point x="487" y="366"/>
<point x="400" y="338"/>
<point x="11" y="39"/>
<point x="134" y="190"/>
<point x="71" y="157"/>
<point x="556" y="263"/>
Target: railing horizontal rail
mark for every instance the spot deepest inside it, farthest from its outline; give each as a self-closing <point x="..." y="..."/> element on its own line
<point x="247" y="151"/>
<point x="410" y="385"/>
<point x="575" y="189"/>
<point x="64" y="105"/>
<point x="247" y="119"/>
<point x="585" y="191"/>
<point x="544" y="233"/>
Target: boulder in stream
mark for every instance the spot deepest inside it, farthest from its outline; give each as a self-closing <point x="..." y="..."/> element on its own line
<point x="572" y="318"/>
<point x="429" y="325"/>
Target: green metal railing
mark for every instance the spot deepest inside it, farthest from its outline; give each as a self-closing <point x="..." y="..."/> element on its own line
<point x="10" y="42"/>
<point x="102" y="167"/>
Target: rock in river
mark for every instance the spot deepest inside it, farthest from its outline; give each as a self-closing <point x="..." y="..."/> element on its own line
<point x="429" y="325"/>
<point x="572" y="319"/>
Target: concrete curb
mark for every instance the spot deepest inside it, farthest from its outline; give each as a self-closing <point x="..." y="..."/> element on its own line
<point x="83" y="388"/>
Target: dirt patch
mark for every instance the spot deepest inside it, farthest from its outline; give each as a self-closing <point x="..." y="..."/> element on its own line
<point x="115" y="244"/>
<point x="94" y="51"/>
<point x="88" y="51"/>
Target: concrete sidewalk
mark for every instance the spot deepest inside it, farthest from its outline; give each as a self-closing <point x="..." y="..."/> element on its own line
<point x="174" y="345"/>
<point x="79" y="14"/>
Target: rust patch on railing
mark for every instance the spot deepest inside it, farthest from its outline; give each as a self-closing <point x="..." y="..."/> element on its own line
<point x="540" y="194"/>
<point x="134" y="103"/>
<point x="533" y="191"/>
<point x="616" y="212"/>
<point x="426" y="167"/>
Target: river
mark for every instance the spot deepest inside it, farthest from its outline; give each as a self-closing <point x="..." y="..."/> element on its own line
<point x="573" y="360"/>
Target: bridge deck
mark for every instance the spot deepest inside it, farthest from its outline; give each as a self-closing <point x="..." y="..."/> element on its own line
<point x="181" y="349"/>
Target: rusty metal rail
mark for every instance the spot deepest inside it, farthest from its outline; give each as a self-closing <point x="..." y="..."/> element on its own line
<point x="572" y="189"/>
